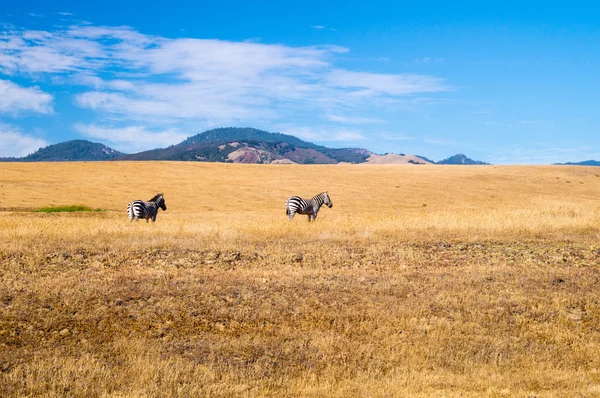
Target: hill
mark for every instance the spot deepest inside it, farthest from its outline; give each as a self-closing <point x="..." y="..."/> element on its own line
<point x="10" y="159"/>
<point x="249" y="145"/>
<point x="460" y="159"/>
<point x="393" y="158"/>
<point x="584" y="163"/>
<point x="233" y="145"/>
<point x="243" y="134"/>
<point x="275" y="141"/>
<point x="75" y="150"/>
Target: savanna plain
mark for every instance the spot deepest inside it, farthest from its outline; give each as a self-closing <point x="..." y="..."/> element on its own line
<point x="421" y="281"/>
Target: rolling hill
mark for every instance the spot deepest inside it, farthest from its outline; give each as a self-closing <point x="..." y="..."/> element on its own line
<point x="393" y="158"/>
<point x="232" y="145"/>
<point x="75" y="150"/>
<point x="584" y="163"/>
<point x="460" y="159"/>
<point x="248" y="145"/>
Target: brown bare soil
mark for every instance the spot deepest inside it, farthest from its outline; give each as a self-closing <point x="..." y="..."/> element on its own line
<point x="421" y="281"/>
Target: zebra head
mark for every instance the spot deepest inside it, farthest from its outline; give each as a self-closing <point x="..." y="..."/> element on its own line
<point x="159" y="199"/>
<point x="326" y="200"/>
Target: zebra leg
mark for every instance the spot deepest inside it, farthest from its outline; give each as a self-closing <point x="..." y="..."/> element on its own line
<point x="291" y="215"/>
<point x="309" y="217"/>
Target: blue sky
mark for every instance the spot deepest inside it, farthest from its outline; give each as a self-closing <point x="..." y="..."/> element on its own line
<point x="506" y="83"/>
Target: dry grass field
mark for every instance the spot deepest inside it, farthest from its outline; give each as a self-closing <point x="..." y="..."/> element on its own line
<point x="421" y="281"/>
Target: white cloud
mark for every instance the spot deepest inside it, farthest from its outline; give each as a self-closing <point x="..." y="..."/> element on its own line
<point x="87" y="79"/>
<point x="442" y="142"/>
<point x="544" y="154"/>
<point x="16" y="144"/>
<point x="397" y="85"/>
<point x="427" y="60"/>
<point x="321" y="27"/>
<point x="14" y="99"/>
<point x="324" y="134"/>
<point x="132" y="138"/>
<point x="396" y="137"/>
<point x="147" y="80"/>
<point x="170" y="103"/>
<point x="352" y="119"/>
<point x="45" y="52"/>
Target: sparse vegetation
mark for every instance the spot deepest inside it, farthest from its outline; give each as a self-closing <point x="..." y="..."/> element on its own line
<point x="489" y="290"/>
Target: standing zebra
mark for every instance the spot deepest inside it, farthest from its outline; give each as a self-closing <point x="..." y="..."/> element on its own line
<point x="146" y="210"/>
<point x="311" y="207"/>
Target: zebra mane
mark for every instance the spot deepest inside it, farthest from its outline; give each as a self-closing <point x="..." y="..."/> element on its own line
<point x="155" y="198"/>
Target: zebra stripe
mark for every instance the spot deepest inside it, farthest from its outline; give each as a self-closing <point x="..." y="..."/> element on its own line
<point x="146" y="210"/>
<point x="311" y="207"/>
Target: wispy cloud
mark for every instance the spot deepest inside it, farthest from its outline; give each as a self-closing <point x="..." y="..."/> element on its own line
<point x="15" y="99"/>
<point x="366" y="83"/>
<point x="352" y="119"/>
<point x="525" y="124"/>
<point x="544" y="154"/>
<point x="86" y="79"/>
<point x="324" y="134"/>
<point x="531" y="124"/>
<point x="441" y="142"/>
<point x="13" y="143"/>
<point x="157" y="82"/>
<point x="396" y="137"/>
<point x="426" y="61"/>
<point x="322" y="27"/>
<point x="132" y="138"/>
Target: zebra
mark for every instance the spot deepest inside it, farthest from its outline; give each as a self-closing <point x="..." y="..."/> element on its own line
<point x="311" y="207"/>
<point x="146" y="210"/>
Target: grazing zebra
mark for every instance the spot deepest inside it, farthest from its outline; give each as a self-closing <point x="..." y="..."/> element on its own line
<point x="146" y="210"/>
<point x="310" y="207"/>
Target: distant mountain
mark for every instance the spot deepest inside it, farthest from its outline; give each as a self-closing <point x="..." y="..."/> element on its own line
<point x="393" y="158"/>
<point x="248" y="145"/>
<point x="425" y="159"/>
<point x="76" y="150"/>
<point x="584" y="163"/>
<point x="253" y="136"/>
<point x="460" y="159"/>
<point x="233" y="145"/>
<point x="10" y="159"/>
<point x="243" y="134"/>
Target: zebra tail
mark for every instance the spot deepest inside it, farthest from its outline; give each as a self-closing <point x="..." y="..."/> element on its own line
<point x="130" y="211"/>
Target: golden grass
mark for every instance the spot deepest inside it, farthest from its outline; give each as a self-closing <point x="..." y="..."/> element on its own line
<point x="420" y="281"/>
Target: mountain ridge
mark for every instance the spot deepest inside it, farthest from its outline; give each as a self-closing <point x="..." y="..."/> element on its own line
<point x="461" y="159"/>
<point x="68" y="151"/>
<point x="583" y="163"/>
<point x="232" y="145"/>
